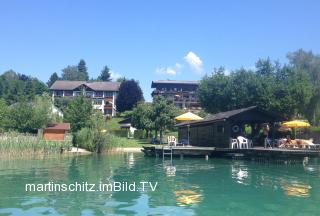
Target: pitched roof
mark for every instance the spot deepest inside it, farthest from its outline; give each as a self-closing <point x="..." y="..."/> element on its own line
<point x="184" y="82"/>
<point x="104" y="86"/>
<point x="97" y="86"/>
<point x="125" y="121"/>
<point x="226" y="115"/>
<point x="65" y="85"/>
<point x="58" y="126"/>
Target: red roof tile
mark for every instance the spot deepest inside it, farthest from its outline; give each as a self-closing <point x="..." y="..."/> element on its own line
<point x="58" y="126"/>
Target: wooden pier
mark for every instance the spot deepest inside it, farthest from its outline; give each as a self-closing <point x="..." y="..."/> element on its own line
<point x="258" y="152"/>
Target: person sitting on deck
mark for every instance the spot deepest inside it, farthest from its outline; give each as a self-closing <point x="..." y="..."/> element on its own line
<point x="289" y="140"/>
<point x="286" y="142"/>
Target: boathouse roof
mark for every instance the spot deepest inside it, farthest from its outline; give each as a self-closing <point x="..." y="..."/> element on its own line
<point x="250" y="114"/>
<point x="58" y="126"/>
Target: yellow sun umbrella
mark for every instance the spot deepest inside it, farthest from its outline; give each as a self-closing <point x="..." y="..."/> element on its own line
<point x="296" y="123"/>
<point x="189" y="116"/>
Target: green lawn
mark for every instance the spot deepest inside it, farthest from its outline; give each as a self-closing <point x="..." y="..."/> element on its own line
<point x="118" y="141"/>
<point x="112" y="124"/>
<point x="124" y="142"/>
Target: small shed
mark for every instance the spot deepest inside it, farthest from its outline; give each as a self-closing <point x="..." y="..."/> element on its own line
<point x="56" y="131"/>
<point x="126" y="124"/>
<point x="217" y="130"/>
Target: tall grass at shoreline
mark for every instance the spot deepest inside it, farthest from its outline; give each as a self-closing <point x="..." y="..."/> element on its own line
<point x="17" y="144"/>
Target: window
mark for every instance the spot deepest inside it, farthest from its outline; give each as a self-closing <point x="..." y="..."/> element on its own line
<point x="98" y="94"/>
<point x="220" y="129"/>
<point x="68" y="93"/>
<point x="108" y="94"/>
<point x="108" y="111"/>
<point x="58" y="93"/>
<point x="78" y="93"/>
<point x="97" y="102"/>
<point x="107" y="103"/>
<point x="89" y="94"/>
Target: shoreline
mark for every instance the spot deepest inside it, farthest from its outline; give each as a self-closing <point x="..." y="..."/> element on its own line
<point x="73" y="151"/>
<point x="127" y="149"/>
<point x="116" y="149"/>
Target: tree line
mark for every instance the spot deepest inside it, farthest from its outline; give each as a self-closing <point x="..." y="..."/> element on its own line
<point x="15" y="87"/>
<point x="291" y="90"/>
<point x="27" y="116"/>
<point x="80" y="73"/>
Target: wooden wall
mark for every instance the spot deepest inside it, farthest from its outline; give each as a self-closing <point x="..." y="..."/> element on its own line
<point x="54" y="134"/>
<point x="214" y="134"/>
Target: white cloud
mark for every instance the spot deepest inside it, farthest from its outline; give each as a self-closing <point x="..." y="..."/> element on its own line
<point x="166" y="71"/>
<point x="114" y="75"/>
<point x="178" y="66"/>
<point x="194" y="61"/>
<point x="172" y="71"/>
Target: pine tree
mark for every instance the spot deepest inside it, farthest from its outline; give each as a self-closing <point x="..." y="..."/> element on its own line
<point x="82" y="69"/>
<point x="54" y="77"/>
<point x="105" y="74"/>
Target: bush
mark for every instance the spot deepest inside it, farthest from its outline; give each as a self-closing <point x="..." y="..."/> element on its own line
<point x="139" y="134"/>
<point x="120" y="133"/>
<point x="92" y="140"/>
<point x="84" y="139"/>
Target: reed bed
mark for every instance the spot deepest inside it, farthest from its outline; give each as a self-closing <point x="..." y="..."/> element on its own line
<point x="17" y="144"/>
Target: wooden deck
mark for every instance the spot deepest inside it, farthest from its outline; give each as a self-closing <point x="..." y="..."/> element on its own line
<point x="257" y="152"/>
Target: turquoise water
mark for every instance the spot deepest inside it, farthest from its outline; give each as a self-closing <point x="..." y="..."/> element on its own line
<point x="185" y="187"/>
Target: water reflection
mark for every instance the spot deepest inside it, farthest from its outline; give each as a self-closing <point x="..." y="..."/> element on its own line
<point x="131" y="160"/>
<point x="187" y="197"/>
<point x="240" y="173"/>
<point x="296" y="189"/>
<point x="185" y="187"/>
<point x="170" y="170"/>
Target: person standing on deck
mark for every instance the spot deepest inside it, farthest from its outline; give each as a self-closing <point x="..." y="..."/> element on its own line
<point x="265" y="132"/>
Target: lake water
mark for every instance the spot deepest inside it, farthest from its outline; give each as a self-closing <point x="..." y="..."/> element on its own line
<point x="185" y="187"/>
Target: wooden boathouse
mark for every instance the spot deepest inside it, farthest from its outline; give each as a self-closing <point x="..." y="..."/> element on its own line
<point x="212" y="136"/>
<point x="56" y="131"/>
<point x="217" y="130"/>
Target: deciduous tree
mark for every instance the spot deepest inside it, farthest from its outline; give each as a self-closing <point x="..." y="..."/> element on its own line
<point x="162" y="116"/>
<point x="280" y="89"/>
<point x="78" y="113"/>
<point x="129" y="95"/>
<point x="142" y="117"/>
<point x="71" y="73"/>
<point x="308" y="62"/>
<point x="15" y="87"/>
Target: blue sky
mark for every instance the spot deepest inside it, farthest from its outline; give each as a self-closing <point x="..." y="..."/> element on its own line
<point x="151" y="40"/>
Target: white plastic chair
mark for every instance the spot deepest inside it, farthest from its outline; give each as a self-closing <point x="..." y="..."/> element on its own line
<point x="234" y="143"/>
<point x="250" y="143"/>
<point x="172" y="141"/>
<point x="243" y="142"/>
